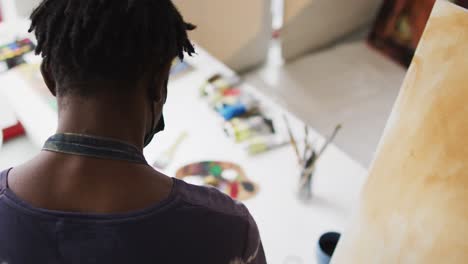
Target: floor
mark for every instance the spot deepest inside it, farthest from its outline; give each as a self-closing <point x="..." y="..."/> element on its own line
<point x="348" y="84"/>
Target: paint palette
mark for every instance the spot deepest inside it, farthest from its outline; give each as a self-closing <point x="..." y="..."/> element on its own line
<point x="225" y="176"/>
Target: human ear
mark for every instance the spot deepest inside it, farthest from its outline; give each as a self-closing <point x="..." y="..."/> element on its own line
<point x="49" y="78"/>
<point x="161" y="84"/>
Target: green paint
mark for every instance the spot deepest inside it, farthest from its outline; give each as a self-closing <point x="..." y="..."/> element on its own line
<point x="216" y="170"/>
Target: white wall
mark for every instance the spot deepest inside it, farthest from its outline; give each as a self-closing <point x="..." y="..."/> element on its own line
<point x="8" y="10"/>
<point x="13" y="26"/>
<point x="313" y="24"/>
<point x="25" y="7"/>
<point x="236" y="32"/>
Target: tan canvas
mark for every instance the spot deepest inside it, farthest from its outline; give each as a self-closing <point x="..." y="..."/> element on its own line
<point x="414" y="207"/>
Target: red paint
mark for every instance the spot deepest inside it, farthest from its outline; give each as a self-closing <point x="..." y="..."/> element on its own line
<point x="13" y="131"/>
<point x="234" y="190"/>
<point x="232" y="92"/>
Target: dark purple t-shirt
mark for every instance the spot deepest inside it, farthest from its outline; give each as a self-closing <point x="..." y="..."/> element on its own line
<point x="193" y="225"/>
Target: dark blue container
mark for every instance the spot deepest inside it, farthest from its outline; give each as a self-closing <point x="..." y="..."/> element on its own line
<point x="326" y="246"/>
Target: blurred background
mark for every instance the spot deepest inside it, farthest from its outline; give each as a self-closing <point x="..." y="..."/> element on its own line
<point x="327" y="61"/>
<point x="323" y="59"/>
<point x="313" y="57"/>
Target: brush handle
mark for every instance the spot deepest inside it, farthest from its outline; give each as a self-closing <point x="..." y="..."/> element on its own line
<point x="309" y="166"/>
<point x="293" y="140"/>
<point x="171" y="151"/>
<point x="329" y="140"/>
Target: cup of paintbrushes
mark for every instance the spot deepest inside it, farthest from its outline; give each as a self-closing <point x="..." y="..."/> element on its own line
<point x="305" y="182"/>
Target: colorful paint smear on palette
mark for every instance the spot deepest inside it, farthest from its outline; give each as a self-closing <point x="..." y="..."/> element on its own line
<point x="228" y="177"/>
<point x="31" y="74"/>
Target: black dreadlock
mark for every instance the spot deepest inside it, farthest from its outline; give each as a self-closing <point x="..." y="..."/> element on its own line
<point x="117" y="40"/>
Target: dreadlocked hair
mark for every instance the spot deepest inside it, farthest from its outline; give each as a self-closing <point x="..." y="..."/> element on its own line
<point x="108" y="39"/>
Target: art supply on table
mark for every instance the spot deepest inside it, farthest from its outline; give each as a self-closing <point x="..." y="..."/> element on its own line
<point x="241" y="129"/>
<point x="307" y="145"/>
<point x="222" y="93"/>
<point x="305" y="181"/>
<point x="222" y="84"/>
<point x="11" y="54"/>
<point x="324" y="147"/>
<point x="13" y="131"/>
<point x="293" y="141"/>
<point x="230" y="111"/>
<point x="228" y="177"/>
<point x="329" y="140"/>
<point x="167" y="156"/>
<point x="242" y="113"/>
<point x="214" y="77"/>
<point x="242" y="106"/>
<point x="308" y="167"/>
<point x="218" y="84"/>
<point x="10" y="127"/>
<point x="232" y="92"/>
<point x="326" y="246"/>
<point x="261" y="144"/>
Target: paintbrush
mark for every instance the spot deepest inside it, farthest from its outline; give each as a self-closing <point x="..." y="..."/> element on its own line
<point x="167" y="156"/>
<point x="309" y="169"/>
<point x="307" y="145"/>
<point x="329" y="140"/>
<point x="308" y="164"/>
<point x="292" y="140"/>
<point x="310" y="161"/>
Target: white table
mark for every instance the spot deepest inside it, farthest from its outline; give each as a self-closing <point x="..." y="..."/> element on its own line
<point x="289" y="228"/>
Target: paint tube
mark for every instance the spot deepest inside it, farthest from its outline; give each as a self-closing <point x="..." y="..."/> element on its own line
<point x="245" y="104"/>
<point x="241" y="129"/>
<point x="261" y="144"/>
<point x="218" y="84"/>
